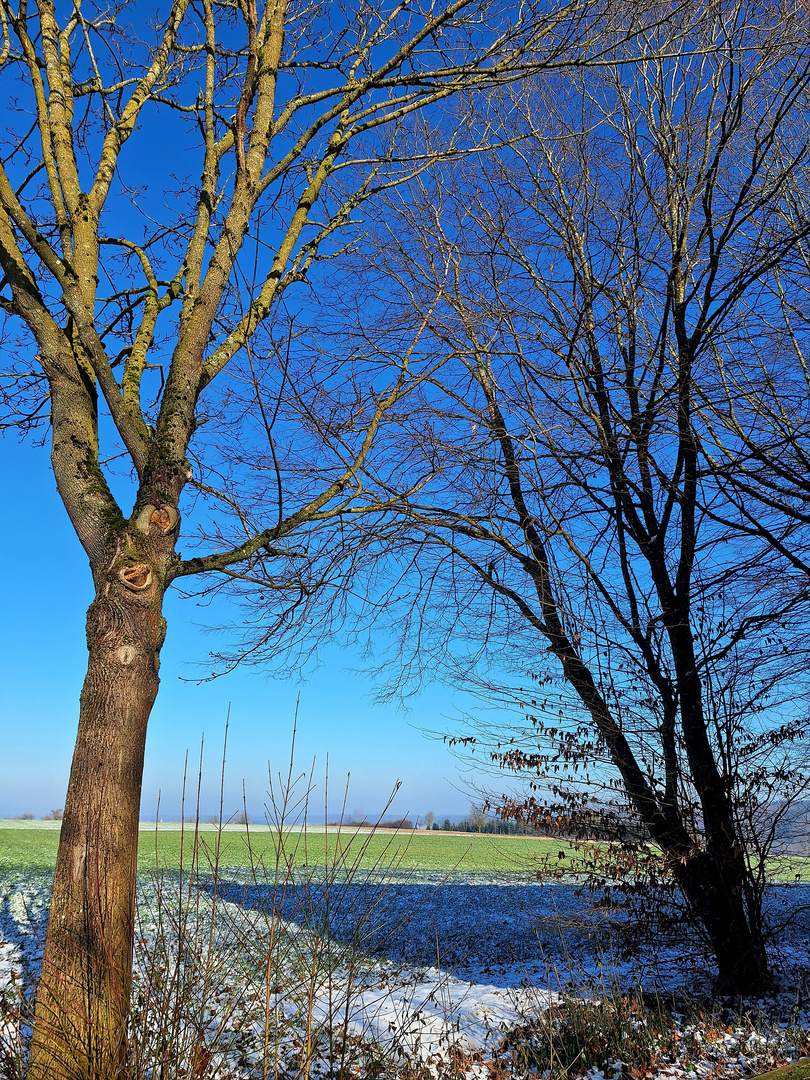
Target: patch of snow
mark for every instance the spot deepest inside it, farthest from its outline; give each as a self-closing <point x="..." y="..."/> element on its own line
<point x="438" y="973"/>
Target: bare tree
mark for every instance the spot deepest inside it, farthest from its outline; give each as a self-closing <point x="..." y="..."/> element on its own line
<point x="568" y="520"/>
<point x="758" y="438"/>
<point x="147" y="328"/>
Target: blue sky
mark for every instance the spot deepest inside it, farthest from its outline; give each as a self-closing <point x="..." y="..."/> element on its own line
<point x="42" y="664"/>
<point x="43" y="657"/>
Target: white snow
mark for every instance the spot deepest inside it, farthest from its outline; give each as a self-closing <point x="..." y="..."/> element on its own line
<point x="496" y="967"/>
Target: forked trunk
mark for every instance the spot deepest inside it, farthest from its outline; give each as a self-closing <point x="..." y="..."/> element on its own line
<point x="83" y="995"/>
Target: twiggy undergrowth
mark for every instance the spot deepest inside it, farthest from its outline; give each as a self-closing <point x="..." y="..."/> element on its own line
<point x="264" y="971"/>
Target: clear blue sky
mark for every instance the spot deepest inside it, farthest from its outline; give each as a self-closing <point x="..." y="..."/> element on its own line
<point x="42" y="663"/>
<point x="42" y="651"/>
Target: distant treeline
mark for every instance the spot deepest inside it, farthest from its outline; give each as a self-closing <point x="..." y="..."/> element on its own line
<point x="471" y="824"/>
<point x="395" y="823"/>
<point x="487" y="825"/>
<point x="583" y="825"/>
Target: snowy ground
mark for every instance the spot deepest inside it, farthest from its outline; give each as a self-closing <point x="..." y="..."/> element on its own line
<point x="430" y="972"/>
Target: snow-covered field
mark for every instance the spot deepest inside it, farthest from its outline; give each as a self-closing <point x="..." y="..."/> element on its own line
<point x="480" y="976"/>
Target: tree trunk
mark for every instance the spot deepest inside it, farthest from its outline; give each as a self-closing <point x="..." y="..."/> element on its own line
<point x="716" y="894"/>
<point x="715" y="879"/>
<point x="83" y="995"/>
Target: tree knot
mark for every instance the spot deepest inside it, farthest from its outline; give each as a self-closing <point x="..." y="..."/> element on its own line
<point x="161" y="519"/>
<point x="157" y="519"/>
<point x="138" y="578"/>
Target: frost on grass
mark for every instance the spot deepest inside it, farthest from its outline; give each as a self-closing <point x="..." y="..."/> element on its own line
<point x="24" y="901"/>
<point x="411" y="979"/>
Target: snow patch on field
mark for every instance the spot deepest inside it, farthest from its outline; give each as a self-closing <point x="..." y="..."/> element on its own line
<point x="356" y="958"/>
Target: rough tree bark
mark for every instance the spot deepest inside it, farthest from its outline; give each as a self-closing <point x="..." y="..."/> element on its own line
<point x="83" y="992"/>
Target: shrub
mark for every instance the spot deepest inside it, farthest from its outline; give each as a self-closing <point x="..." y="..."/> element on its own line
<point x="405" y="824"/>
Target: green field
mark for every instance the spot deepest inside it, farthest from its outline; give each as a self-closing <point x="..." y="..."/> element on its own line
<point x="34" y="847"/>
